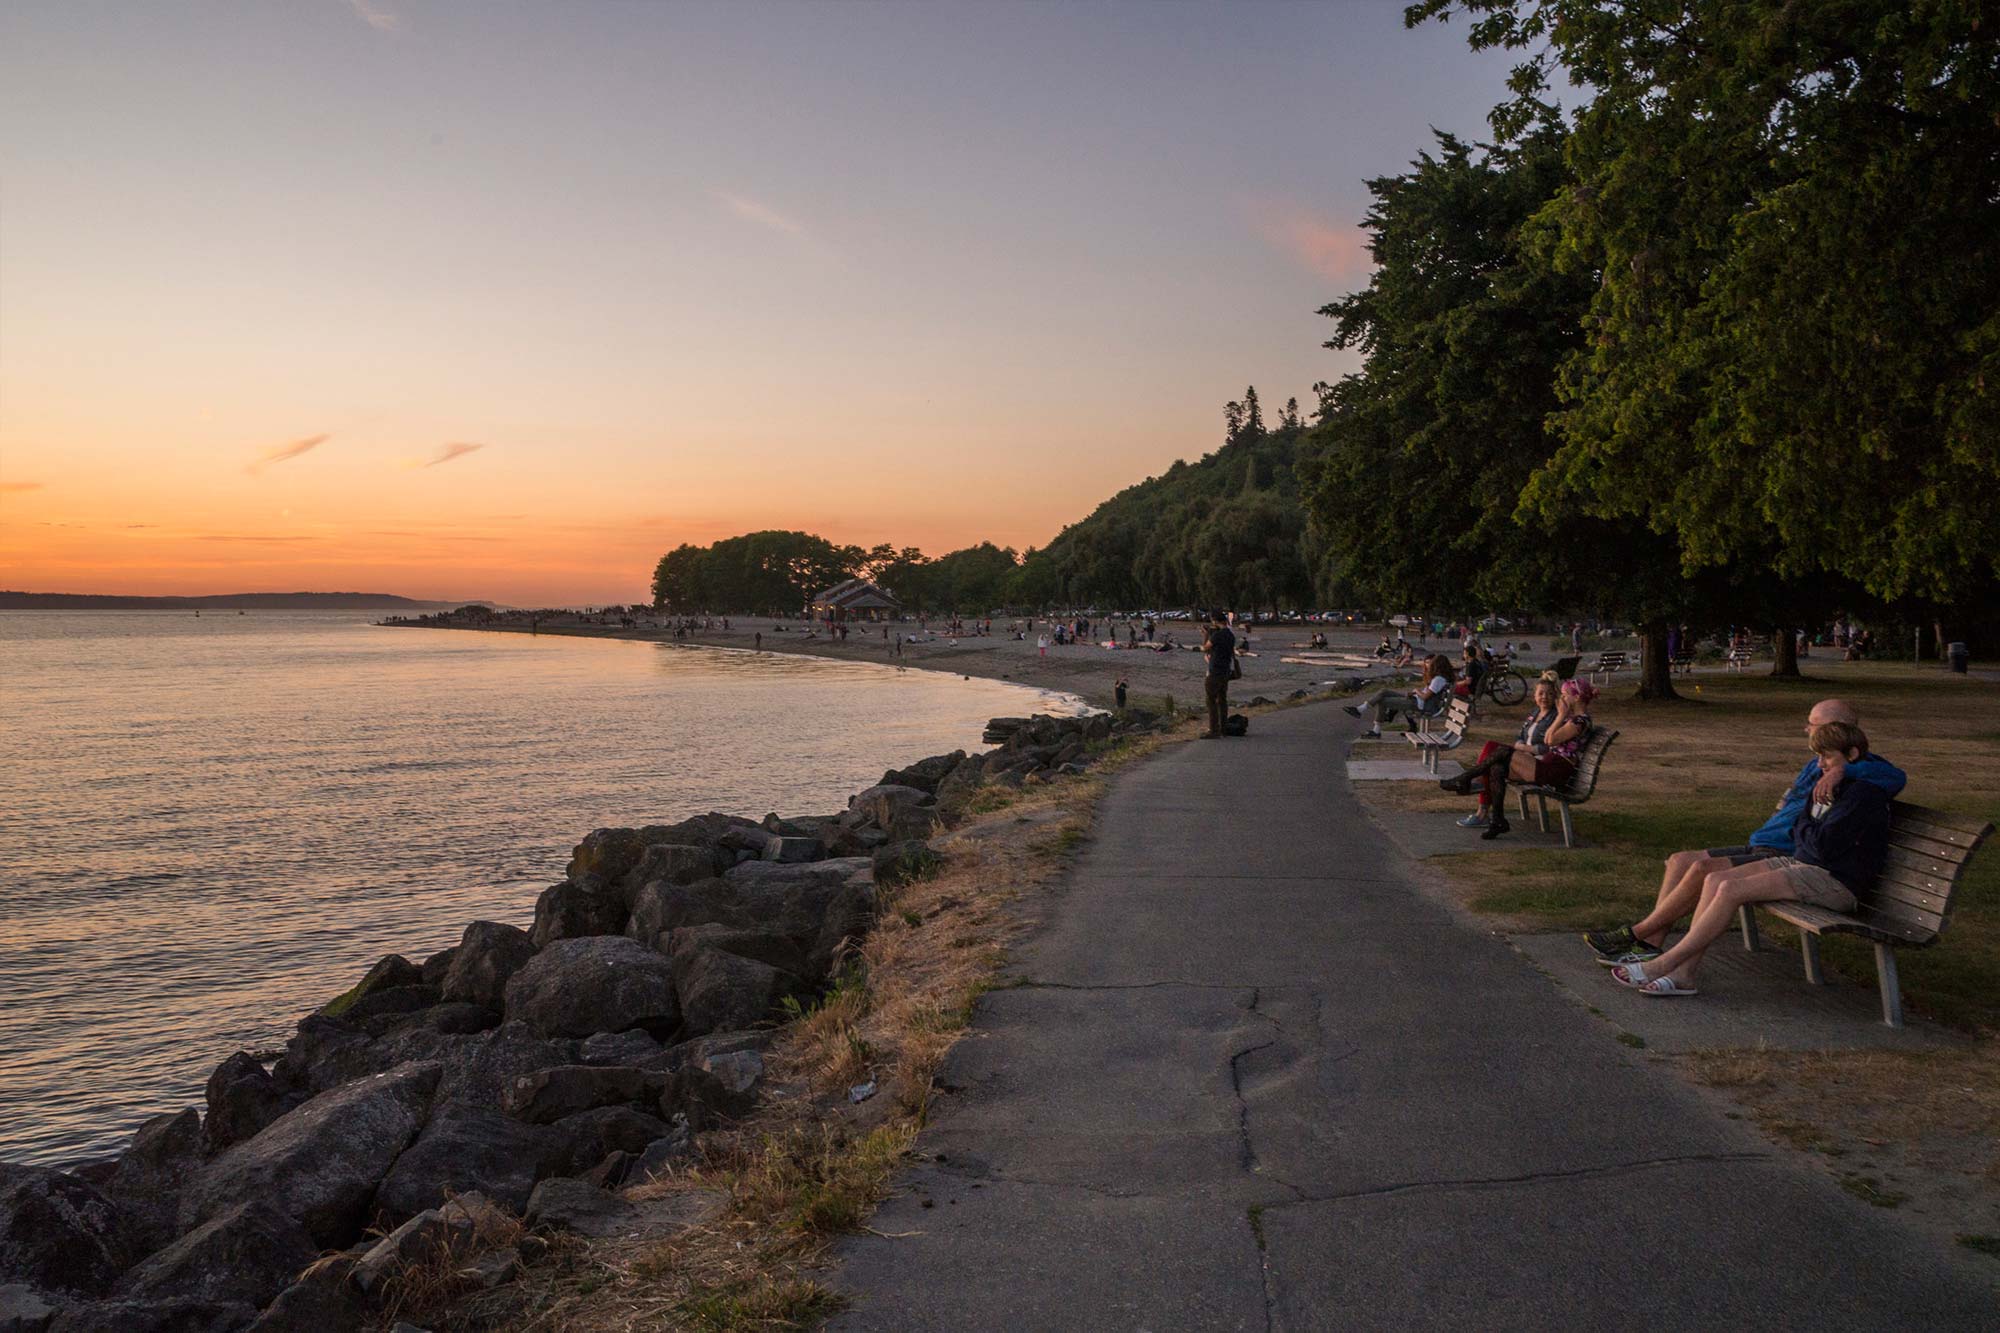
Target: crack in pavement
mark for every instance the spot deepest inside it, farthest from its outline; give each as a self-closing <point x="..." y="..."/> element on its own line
<point x="1026" y="983"/>
<point x="1529" y="1178"/>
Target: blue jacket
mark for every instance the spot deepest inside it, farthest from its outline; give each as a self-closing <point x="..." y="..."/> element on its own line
<point x="1777" y="831"/>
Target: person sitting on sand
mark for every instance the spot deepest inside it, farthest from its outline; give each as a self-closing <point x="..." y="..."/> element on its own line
<point x="1686" y="872"/>
<point x="1425" y="701"/>
<point x="1838" y="847"/>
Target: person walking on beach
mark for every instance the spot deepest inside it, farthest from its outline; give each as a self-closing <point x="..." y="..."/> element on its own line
<point x="760" y="641"/>
<point x="1118" y="691"/>
<point x="1218" y="645"/>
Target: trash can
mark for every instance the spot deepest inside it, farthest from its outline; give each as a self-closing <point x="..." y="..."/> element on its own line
<point x="1958" y="655"/>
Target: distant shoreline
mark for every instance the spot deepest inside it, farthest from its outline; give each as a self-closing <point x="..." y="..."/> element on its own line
<point x="237" y="601"/>
<point x="1083" y="669"/>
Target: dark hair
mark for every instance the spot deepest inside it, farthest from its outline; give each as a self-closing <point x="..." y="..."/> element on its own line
<point x="1440" y="665"/>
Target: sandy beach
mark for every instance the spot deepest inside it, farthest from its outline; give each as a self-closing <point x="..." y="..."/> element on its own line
<point x="1085" y="669"/>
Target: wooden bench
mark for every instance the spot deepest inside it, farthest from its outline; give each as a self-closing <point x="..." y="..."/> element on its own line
<point x="1435" y="735"/>
<point x="1736" y="659"/>
<point x="1907" y="908"/>
<point x="1608" y="664"/>
<point x="1582" y="783"/>
<point x="1681" y="665"/>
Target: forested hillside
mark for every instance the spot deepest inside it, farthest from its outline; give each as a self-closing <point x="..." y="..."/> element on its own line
<point x="1228" y="529"/>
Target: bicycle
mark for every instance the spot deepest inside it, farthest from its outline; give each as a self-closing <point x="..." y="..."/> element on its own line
<point x="1503" y="683"/>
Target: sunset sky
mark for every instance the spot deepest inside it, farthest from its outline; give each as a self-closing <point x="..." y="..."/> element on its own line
<point x="496" y="300"/>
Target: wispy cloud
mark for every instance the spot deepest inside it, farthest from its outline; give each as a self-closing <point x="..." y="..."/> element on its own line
<point x="280" y="453"/>
<point x="762" y="214"/>
<point x="246" y="537"/>
<point x="375" y="17"/>
<point x="1333" y="250"/>
<point x="19" y="487"/>
<point x="446" y="453"/>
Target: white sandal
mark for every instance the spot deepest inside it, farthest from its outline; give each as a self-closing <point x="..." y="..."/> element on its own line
<point x="1665" y="986"/>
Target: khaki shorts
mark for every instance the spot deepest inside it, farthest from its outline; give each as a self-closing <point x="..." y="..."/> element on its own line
<point x="1811" y="884"/>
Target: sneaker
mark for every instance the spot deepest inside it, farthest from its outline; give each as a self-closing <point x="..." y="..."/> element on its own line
<point x="1473" y="820"/>
<point x="1644" y="953"/>
<point x="1372" y="734"/>
<point x="1352" y="710"/>
<point x="1610" y="943"/>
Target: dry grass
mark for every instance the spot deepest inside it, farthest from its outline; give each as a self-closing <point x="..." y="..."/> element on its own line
<point x="1895" y="1128"/>
<point x="812" y="1164"/>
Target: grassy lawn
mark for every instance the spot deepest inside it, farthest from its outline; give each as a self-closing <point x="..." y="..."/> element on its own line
<point x="1706" y="771"/>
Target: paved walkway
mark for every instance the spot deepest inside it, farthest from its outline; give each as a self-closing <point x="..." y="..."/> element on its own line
<point x="1253" y="1079"/>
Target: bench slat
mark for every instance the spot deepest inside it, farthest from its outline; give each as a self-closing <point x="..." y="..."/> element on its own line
<point x="1905" y="812"/>
<point x="1932" y="896"/>
<point x="1888" y="914"/>
<point x="1819" y="921"/>
<point x="1911" y="841"/>
<point x="1916" y="863"/>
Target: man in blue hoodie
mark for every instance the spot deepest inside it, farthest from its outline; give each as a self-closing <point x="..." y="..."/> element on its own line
<point x="1686" y="872"/>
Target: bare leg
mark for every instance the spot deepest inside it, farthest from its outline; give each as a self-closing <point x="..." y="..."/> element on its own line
<point x="1680" y="890"/>
<point x="1721" y="894"/>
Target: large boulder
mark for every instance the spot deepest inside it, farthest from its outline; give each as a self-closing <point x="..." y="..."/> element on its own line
<point x="459" y="1229"/>
<point x="548" y="1095"/>
<point x="171" y="1314"/>
<point x="23" y="1309"/>
<point x="608" y="860"/>
<point x="321" y="1162"/>
<point x="566" y="912"/>
<point x="478" y="1070"/>
<point x="247" y="1253"/>
<point x="925" y="774"/>
<point x="438" y="966"/>
<point x="680" y="863"/>
<point x="811" y="908"/>
<point x="885" y="802"/>
<point x="721" y="1086"/>
<point x="242" y="1099"/>
<point x="591" y="1136"/>
<point x="487" y="956"/>
<point x="468" y="1148"/>
<point x="603" y="983"/>
<point x="721" y="992"/>
<point x="147" y="1183"/>
<point x="325" y="1300"/>
<point x="58" y="1234"/>
<point x="784" y="952"/>
<point x="393" y="972"/>
<point x="587" y="1210"/>
<point x="900" y="862"/>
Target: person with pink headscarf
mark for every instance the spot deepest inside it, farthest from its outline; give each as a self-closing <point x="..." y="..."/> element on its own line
<point x="1544" y="753"/>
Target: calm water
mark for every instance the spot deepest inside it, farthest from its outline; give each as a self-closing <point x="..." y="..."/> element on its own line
<point x="210" y="826"/>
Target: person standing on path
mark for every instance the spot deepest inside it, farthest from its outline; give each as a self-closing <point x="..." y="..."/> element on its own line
<point x="1218" y="645"/>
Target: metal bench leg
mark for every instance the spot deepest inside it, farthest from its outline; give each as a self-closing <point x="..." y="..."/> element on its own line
<point x="1746" y="917"/>
<point x="1524" y="807"/>
<point x="1542" y="804"/>
<point x="1809" y="946"/>
<point x="1892" y="989"/>
<point x="1569" y="834"/>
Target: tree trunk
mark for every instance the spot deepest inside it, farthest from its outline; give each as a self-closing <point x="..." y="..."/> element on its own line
<point x="1656" y="677"/>
<point x="1785" y="652"/>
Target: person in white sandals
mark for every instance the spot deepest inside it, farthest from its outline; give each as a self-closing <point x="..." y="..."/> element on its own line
<point x="1838" y="845"/>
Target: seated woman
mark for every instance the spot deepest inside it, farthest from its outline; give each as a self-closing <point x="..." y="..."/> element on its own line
<point x="1838" y="849"/>
<point x="1544" y="753"/>
<point x="1427" y="700"/>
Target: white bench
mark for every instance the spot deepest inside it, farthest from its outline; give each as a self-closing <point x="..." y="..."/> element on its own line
<point x="1434" y="735"/>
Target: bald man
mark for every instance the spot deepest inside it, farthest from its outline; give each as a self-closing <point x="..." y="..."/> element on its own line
<point x="1680" y="885"/>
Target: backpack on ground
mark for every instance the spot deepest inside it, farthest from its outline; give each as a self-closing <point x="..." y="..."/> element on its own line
<point x="1236" y="725"/>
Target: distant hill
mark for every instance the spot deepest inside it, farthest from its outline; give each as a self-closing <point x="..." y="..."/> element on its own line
<point x="1225" y="530"/>
<point x="238" y="601"/>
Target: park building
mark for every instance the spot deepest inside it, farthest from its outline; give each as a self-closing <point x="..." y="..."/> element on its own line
<point x="856" y="599"/>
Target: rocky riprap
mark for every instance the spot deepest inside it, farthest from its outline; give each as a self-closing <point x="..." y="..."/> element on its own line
<point x="522" y="1078"/>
